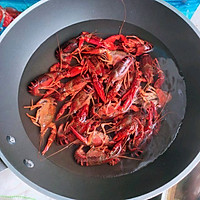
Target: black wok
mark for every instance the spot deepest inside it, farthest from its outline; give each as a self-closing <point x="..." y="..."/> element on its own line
<point x="27" y="50"/>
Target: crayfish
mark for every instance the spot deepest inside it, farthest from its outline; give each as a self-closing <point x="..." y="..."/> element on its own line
<point x="44" y="119"/>
<point x="110" y="96"/>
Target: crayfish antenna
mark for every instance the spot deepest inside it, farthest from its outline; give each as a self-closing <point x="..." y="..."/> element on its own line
<point x="130" y="158"/>
<point x="65" y="116"/>
<point x="122" y="25"/>
<point x="67" y="146"/>
<point x="59" y="50"/>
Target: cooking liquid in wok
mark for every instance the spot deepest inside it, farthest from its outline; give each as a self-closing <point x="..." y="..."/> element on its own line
<point x="173" y="113"/>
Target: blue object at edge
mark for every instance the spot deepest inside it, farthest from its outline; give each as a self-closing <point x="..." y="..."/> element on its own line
<point x="20" y="5"/>
<point x="187" y="7"/>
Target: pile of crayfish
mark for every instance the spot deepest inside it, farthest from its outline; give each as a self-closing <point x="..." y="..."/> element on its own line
<point x="111" y="95"/>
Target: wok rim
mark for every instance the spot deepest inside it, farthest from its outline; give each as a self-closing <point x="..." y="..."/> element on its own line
<point x="151" y="194"/>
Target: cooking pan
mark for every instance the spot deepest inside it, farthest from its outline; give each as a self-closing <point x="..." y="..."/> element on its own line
<point x="27" y="50"/>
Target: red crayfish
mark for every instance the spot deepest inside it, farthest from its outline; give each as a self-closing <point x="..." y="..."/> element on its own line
<point x="7" y="15"/>
<point x="111" y="96"/>
<point x="44" y="119"/>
